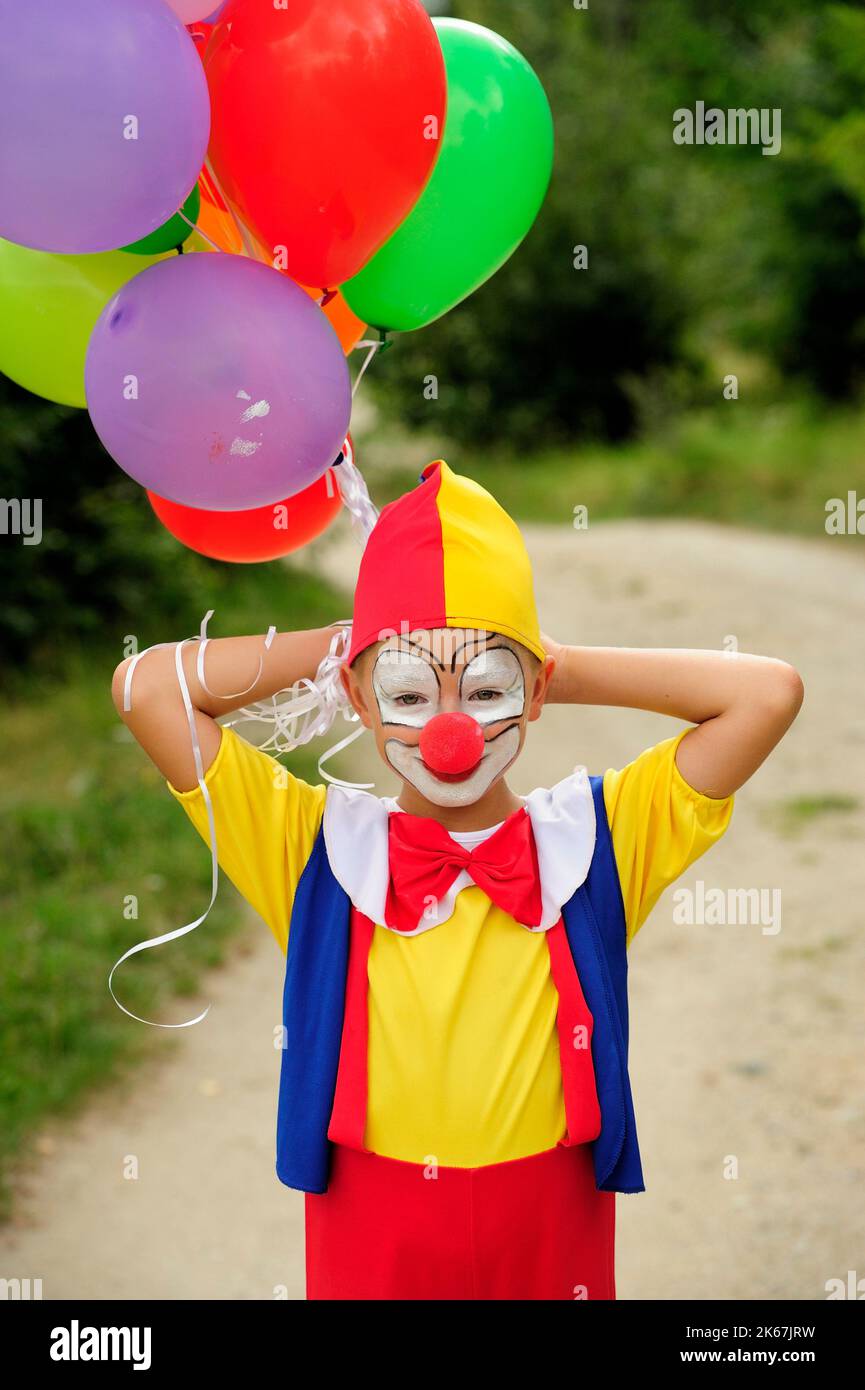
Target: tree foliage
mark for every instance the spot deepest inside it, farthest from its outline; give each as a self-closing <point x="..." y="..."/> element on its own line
<point x="693" y="251"/>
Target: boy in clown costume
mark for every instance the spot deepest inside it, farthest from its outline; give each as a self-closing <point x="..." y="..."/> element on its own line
<point x="454" y="1093"/>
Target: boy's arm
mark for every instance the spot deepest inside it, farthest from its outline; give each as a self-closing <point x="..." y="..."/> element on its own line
<point x="743" y="705"/>
<point x="158" y="719"/>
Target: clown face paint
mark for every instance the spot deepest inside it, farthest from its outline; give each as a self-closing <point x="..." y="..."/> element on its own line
<point x="493" y="687"/>
<point x="412" y="685"/>
<point x="500" y="752"/>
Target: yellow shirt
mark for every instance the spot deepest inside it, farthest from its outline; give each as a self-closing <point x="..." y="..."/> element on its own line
<point x="463" y="1047"/>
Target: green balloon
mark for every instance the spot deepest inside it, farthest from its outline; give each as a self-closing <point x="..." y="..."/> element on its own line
<point x="484" y="192"/>
<point x="48" y="308"/>
<point x="172" y="233"/>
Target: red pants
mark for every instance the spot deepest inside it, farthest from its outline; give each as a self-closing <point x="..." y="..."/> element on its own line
<point x="535" y="1228"/>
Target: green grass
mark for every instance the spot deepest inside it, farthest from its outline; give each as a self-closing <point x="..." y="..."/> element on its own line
<point x="796" y="813"/>
<point x="772" y="466"/>
<point x="87" y="822"/>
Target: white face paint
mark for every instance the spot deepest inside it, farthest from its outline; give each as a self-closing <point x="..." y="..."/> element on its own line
<point x="411" y="687"/>
<point x="492" y="686"/>
<point x="406" y="688"/>
<point x="500" y="752"/>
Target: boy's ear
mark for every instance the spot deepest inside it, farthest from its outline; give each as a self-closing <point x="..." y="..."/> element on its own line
<point x="541" y="686"/>
<point x="353" y="688"/>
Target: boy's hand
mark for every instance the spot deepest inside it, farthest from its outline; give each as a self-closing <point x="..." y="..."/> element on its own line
<point x="551" y="647"/>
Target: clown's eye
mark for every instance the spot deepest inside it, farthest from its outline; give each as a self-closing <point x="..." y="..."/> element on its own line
<point x="410" y="698"/>
<point x="485" y="695"/>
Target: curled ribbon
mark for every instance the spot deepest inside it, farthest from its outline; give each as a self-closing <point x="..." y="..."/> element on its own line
<point x="211" y="824"/>
<point x="372" y="346"/>
<point x="307" y="711"/>
<point x="354" y="494"/>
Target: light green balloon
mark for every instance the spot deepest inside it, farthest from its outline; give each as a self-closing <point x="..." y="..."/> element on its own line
<point x="48" y="308"/>
<point x="484" y="193"/>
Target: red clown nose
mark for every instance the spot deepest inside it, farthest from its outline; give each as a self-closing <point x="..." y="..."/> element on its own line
<point x="452" y="744"/>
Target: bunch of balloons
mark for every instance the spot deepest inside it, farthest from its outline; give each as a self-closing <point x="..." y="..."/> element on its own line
<point x="322" y="166"/>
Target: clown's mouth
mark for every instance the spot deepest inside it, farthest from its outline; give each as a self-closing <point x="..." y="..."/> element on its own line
<point x="452" y="776"/>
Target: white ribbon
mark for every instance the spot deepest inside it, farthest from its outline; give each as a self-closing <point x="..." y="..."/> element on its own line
<point x="211" y="824"/>
<point x="354" y="494"/>
<point x="199" y="669"/>
<point x="307" y="710"/>
<point x="373" y="344"/>
<point x="195" y="227"/>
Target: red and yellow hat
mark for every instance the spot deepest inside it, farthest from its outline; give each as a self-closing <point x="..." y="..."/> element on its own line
<point x="445" y="555"/>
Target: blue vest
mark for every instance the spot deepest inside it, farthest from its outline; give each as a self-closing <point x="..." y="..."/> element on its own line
<point x="314" y="1004"/>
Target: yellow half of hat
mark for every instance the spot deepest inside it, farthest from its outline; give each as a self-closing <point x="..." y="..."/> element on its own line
<point x="487" y="574"/>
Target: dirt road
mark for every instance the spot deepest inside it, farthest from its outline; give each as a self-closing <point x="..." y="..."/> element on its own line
<point x="747" y="1046"/>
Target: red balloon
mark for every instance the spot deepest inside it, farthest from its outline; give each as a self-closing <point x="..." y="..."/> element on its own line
<point x="261" y="533"/>
<point x="327" y="121"/>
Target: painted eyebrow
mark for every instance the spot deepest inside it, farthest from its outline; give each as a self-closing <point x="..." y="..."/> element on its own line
<point x="391" y="650"/>
<point x="500" y="647"/>
<point x="420" y="649"/>
<point x="463" y="645"/>
<point x="424" y="652"/>
<point x="435" y="661"/>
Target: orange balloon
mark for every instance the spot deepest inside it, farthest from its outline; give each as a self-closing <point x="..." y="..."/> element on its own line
<point x="214" y="217"/>
<point x="218" y="221"/>
<point x="219" y="227"/>
<point x="209" y="192"/>
<point x="347" y="326"/>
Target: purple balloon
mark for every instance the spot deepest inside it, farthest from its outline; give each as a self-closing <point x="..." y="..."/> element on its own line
<point x="105" y="118"/>
<point x="217" y="382"/>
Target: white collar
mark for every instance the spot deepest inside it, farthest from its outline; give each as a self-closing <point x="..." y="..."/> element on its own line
<point x="563" y="824"/>
<point x="467" y="838"/>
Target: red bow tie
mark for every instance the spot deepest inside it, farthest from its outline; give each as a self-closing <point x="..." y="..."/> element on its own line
<point x="424" y="861"/>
